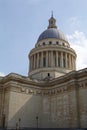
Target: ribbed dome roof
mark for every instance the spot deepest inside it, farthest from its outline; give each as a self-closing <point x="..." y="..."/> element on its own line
<point x="52" y="33"/>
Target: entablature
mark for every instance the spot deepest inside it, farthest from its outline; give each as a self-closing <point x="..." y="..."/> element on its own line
<point x="72" y="79"/>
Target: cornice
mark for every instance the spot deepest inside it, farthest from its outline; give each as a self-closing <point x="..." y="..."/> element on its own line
<point x="68" y="79"/>
<point x="52" y="48"/>
<point x="51" y="69"/>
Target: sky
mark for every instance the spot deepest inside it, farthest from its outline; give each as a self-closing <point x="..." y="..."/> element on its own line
<point x="22" y="21"/>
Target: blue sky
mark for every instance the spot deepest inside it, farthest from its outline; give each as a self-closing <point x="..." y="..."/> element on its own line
<point x="22" y="21"/>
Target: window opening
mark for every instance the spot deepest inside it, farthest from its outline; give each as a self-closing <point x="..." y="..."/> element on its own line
<point x="50" y="42"/>
<point x="57" y="43"/>
<point x="48" y="74"/>
<point x="63" y="44"/>
<point x="43" y="43"/>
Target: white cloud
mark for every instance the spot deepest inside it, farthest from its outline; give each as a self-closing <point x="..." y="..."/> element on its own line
<point x="2" y="74"/>
<point x="78" y="42"/>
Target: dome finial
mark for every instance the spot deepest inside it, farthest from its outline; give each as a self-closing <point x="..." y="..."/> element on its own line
<point x="52" y="21"/>
<point x="52" y="13"/>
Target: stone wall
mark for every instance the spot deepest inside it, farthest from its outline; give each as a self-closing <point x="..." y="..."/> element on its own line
<point x="25" y="107"/>
<point x="60" y="111"/>
<point x="0" y="106"/>
<point x="59" y="103"/>
<point x="83" y="105"/>
<point x="6" y="106"/>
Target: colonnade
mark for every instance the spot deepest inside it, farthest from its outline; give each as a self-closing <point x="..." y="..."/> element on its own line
<point x="52" y="59"/>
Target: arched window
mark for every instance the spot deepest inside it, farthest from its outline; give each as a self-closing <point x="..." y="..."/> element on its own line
<point x="51" y="22"/>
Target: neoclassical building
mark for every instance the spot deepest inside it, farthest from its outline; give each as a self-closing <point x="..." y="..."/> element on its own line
<point x="53" y="95"/>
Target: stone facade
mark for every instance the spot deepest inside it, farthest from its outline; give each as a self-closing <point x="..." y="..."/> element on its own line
<point x="54" y="95"/>
<point x="54" y="102"/>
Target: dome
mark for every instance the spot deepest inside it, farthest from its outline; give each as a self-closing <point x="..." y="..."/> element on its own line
<point x="52" y="33"/>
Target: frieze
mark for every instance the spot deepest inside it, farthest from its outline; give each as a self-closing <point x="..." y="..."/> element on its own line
<point x="41" y="92"/>
<point x="83" y="85"/>
<point x="27" y="91"/>
<point x="45" y="91"/>
<point x="86" y="85"/>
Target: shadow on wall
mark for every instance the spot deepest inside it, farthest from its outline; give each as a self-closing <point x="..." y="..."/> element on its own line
<point x="29" y="115"/>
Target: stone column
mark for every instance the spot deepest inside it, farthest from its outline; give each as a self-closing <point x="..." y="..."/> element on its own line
<point x="56" y="58"/>
<point x="37" y="60"/>
<point x="34" y="61"/>
<point x="42" y="59"/>
<point x="51" y="59"/>
<point x="62" y="59"/>
<point x="66" y="59"/>
<point x="74" y="63"/>
<point x="31" y="62"/>
<point x="69" y="61"/>
<point x="46" y="58"/>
